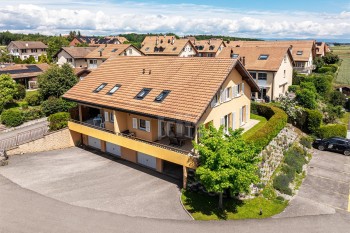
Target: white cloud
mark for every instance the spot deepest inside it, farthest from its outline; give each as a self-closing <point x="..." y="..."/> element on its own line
<point x="110" y="18"/>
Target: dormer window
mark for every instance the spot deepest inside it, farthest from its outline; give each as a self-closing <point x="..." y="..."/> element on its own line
<point x="263" y="57"/>
<point x="211" y="47"/>
<point x="162" y="96"/>
<point x="100" y="87"/>
<point x="299" y="52"/>
<point x="114" y="89"/>
<point x="142" y="94"/>
<point x="234" y="55"/>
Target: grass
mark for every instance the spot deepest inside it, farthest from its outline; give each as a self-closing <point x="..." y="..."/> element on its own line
<point x="257" y="127"/>
<point x="344" y="54"/>
<point x="203" y="207"/>
<point x="30" y="93"/>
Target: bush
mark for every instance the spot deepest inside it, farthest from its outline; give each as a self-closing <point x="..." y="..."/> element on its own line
<point x="293" y="88"/>
<point x="24" y="105"/>
<point x="297" y="79"/>
<point x="21" y="92"/>
<point x="54" y="105"/>
<point x="34" y="99"/>
<point x="331" y="58"/>
<point x="332" y="113"/>
<point x="281" y="183"/>
<point x="325" y="69"/>
<point x="58" y="120"/>
<point x="335" y="130"/>
<point x="337" y="98"/>
<point x="277" y="120"/>
<point x="288" y="171"/>
<point x="306" y="141"/>
<point x="12" y="117"/>
<point x="306" y="98"/>
<point x="33" y="114"/>
<point x="308" y="85"/>
<point x="295" y="158"/>
<point x="323" y="84"/>
<point x="313" y="120"/>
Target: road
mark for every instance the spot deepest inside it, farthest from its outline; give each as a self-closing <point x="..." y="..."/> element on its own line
<point x="13" y="133"/>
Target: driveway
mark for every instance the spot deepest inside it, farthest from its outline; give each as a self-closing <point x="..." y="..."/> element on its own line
<point x="325" y="189"/>
<point x="82" y="178"/>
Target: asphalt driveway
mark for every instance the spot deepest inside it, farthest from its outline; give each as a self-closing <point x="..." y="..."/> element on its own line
<point x="325" y="189"/>
<point x="86" y="179"/>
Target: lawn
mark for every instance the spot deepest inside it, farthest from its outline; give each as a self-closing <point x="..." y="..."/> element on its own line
<point x="257" y="127"/>
<point x="343" y="76"/>
<point x="19" y="103"/>
<point x="203" y="207"/>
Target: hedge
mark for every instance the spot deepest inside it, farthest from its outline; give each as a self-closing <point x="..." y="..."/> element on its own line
<point x="309" y="120"/>
<point x="277" y="120"/>
<point x="34" y="99"/>
<point x="58" y="120"/>
<point x="327" y="131"/>
<point x="325" y="69"/>
<point x="12" y="117"/>
<point x="54" y="105"/>
<point x="32" y="114"/>
<point x="21" y="92"/>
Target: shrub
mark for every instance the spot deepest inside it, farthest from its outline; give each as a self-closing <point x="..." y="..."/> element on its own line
<point x="293" y="88"/>
<point x="277" y="120"/>
<point x="337" y="98"/>
<point x="308" y="85"/>
<point x="335" y="130"/>
<point x="313" y="120"/>
<point x="32" y="114"/>
<point x="325" y="69"/>
<point x="333" y="67"/>
<point x="297" y="79"/>
<point x="306" y="98"/>
<point x="323" y="84"/>
<point x="306" y="141"/>
<point x="330" y="58"/>
<point x="54" y="105"/>
<point x="331" y="113"/>
<point x="12" y="117"/>
<point x="281" y="183"/>
<point x="24" y="105"/>
<point x="58" y="120"/>
<point x="288" y="171"/>
<point x="295" y="158"/>
<point x="21" y="92"/>
<point x="34" y="99"/>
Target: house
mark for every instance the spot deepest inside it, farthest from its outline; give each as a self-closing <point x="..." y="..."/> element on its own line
<point x="25" y="74"/>
<point x="25" y="49"/>
<point x="97" y="41"/>
<point x="167" y="46"/>
<point x="148" y="109"/>
<point x="270" y="67"/>
<point x="208" y="48"/>
<point x="96" y="57"/>
<point x="303" y="51"/>
<point x="75" y="56"/>
<point x="321" y="49"/>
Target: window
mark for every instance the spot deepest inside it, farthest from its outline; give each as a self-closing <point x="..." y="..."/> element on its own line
<point x="43" y="50"/>
<point x="228" y="91"/>
<point x="69" y="60"/>
<point x="92" y="63"/>
<point x="284" y="74"/>
<point x="111" y="117"/>
<point x="130" y="51"/>
<point x="262" y="76"/>
<point x="142" y="124"/>
<point x="189" y="131"/>
<point x="34" y="50"/>
<point x="285" y="59"/>
<point x="114" y="50"/>
<point x="224" y="121"/>
<point x="100" y="87"/>
<point x="162" y="96"/>
<point x="299" y="52"/>
<point x="211" y="47"/>
<point x="234" y="55"/>
<point x="263" y="57"/>
<point x="23" y="50"/>
<point x="142" y="93"/>
<point x="214" y="102"/>
<point x="253" y="74"/>
<point x="114" y="89"/>
<point x="174" y="48"/>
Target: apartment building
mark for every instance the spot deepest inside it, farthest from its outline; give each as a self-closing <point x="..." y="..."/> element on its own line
<point x="25" y="49"/>
<point x="146" y="111"/>
<point x="303" y="51"/>
<point x="271" y="68"/>
<point x="167" y="46"/>
<point x="96" y="57"/>
<point x="75" y="56"/>
<point x="96" y="41"/>
<point x="208" y="48"/>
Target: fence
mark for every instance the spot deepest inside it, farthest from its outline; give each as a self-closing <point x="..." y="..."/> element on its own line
<point x="23" y="137"/>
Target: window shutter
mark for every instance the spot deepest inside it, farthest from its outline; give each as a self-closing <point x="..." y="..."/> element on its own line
<point x="237" y="90"/>
<point x="234" y="91"/>
<point x="222" y="96"/>
<point x="148" y="126"/>
<point x="106" y="116"/>
<point x="247" y="113"/>
<point x="242" y="88"/>
<point x="134" y="123"/>
<point x="240" y="116"/>
<point x="179" y="129"/>
<point x="222" y="121"/>
<point x="111" y="117"/>
<point x="214" y="101"/>
<point x="233" y="120"/>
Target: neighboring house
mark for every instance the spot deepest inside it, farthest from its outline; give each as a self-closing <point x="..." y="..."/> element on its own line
<point x="25" y="49"/>
<point x="25" y="74"/>
<point x="148" y="109"/>
<point x="75" y="56"/>
<point x="303" y="51"/>
<point x="97" y="41"/>
<point x="167" y="46"/>
<point x="96" y="57"/>
<point x="208" y="48"/>
<point x="81" y="72"/>
<point x="271" y="68"/>
<point x="321" y="49"/>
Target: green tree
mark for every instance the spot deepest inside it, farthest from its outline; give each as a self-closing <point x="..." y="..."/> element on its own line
<point x="318" y="62"/>
<point x="308" y="85"/>
<point x="306" y="98"/>
<point x="54" y="45"/>
<point x="56" y="81"/>
<point x="337" y="98"/>
<point x="43" y="59"/>
<point x="323" y="84"/>
<point x="331" y="58"/>
<point x="8" y="89"/>
<point x="30" y="60"/>
<point x="227" y="162"/>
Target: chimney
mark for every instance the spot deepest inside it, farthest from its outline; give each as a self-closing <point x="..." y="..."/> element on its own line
<point x="157" y="40"/>
<point x="26" y="44"/>
<point x="106" y="44"/>
<point x="231" y="53"/>
<point x="172" y="40"/>
<point x="291" y="48"/>
<point x="243" y="61"/>
<point x="143" y="71"/>
<point x="209" y="42"/>
<point x="100" y="53"/>
<point x="149" y="72"/>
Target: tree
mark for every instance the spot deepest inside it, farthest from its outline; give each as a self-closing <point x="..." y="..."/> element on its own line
<point x="30" y="60"/>
<point x="306" y="98"/>
<point x="323" y="84"/>
<point x="56" y="81"/>
<point x="54" y="45"/>
<point x="227" y="162"/>
<point x="43" y="59"/>
<point x="337" y="98"/>
<point x="331" y="58"/>
<point x="318" y="62"/>
<point x="8" y="89"/>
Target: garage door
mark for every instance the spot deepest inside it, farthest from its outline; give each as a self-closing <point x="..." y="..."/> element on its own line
<point x="113" y="149"/>
<point x="94" y="142"/>
<point x="146" y="160"/>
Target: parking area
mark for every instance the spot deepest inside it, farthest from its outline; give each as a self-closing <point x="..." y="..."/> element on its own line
<point x="325" y="189"/>
<point x="87" y="179"/>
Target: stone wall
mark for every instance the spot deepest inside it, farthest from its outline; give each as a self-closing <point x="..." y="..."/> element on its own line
<point x="56" y="140"/>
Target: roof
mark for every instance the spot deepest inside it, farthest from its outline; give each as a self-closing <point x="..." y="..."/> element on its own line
<point x="109" y="50"/>
<point x="306" y="46"/>
<point x="206" y="46"/>
<point x="29" y="44"/>
<point x="192" y="83"/>
<point x="76" y="52"/>
<point x="251" y="55"/>
<point x="24" y="71"/>
<point x="320" y="48"/>
<point x="163" y="45"/>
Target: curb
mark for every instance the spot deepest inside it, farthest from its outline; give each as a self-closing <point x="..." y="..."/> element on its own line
<point x="185" y="208"/>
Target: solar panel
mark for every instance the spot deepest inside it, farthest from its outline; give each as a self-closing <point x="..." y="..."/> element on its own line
<point x="30" y="69"/>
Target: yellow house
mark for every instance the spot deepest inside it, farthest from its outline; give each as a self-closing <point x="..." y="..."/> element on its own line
<point x="148" y="109"/>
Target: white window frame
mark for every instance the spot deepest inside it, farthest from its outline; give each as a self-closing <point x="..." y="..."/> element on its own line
<point x="106" y="116"/>
<point x="142" y="128"/>
<point x="134" y="123"/>
<point x="188" y="130"/>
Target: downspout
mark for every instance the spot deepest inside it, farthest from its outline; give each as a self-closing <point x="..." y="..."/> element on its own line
<point x="273" y="86"/>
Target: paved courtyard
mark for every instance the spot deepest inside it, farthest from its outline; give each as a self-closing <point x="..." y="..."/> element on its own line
<point x="82" y="178"/>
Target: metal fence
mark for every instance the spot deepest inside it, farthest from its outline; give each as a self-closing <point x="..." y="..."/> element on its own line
<point x="23" y="137"/>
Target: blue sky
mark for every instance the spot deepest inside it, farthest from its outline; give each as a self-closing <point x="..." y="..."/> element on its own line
<point x="254" y="19"/>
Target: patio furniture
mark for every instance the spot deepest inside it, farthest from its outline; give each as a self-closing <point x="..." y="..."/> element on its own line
<point x="97" y="120"/>
<point x="174" y="141"/>
<point x="181" y="140"/>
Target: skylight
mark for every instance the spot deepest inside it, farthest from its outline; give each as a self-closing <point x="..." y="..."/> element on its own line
<point x="100" y="87"/>
<point x="263" y="57"/>
<point x="162" y="96"/>
<point x="147" y="49"/>
<point x="142" y="94"/>
<point x="234" y="55"/>
<point x="114" y="89"/>
<point x="299" y="52"/>
<point x="114" y="50"/>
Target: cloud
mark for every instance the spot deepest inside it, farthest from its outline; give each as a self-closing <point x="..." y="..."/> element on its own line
<point x="94" y="17"/>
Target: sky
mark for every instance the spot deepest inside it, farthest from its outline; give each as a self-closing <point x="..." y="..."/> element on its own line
<point x="250" y="18"/>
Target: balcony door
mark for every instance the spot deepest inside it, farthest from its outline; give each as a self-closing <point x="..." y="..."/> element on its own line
<point x="162" y="129"/>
